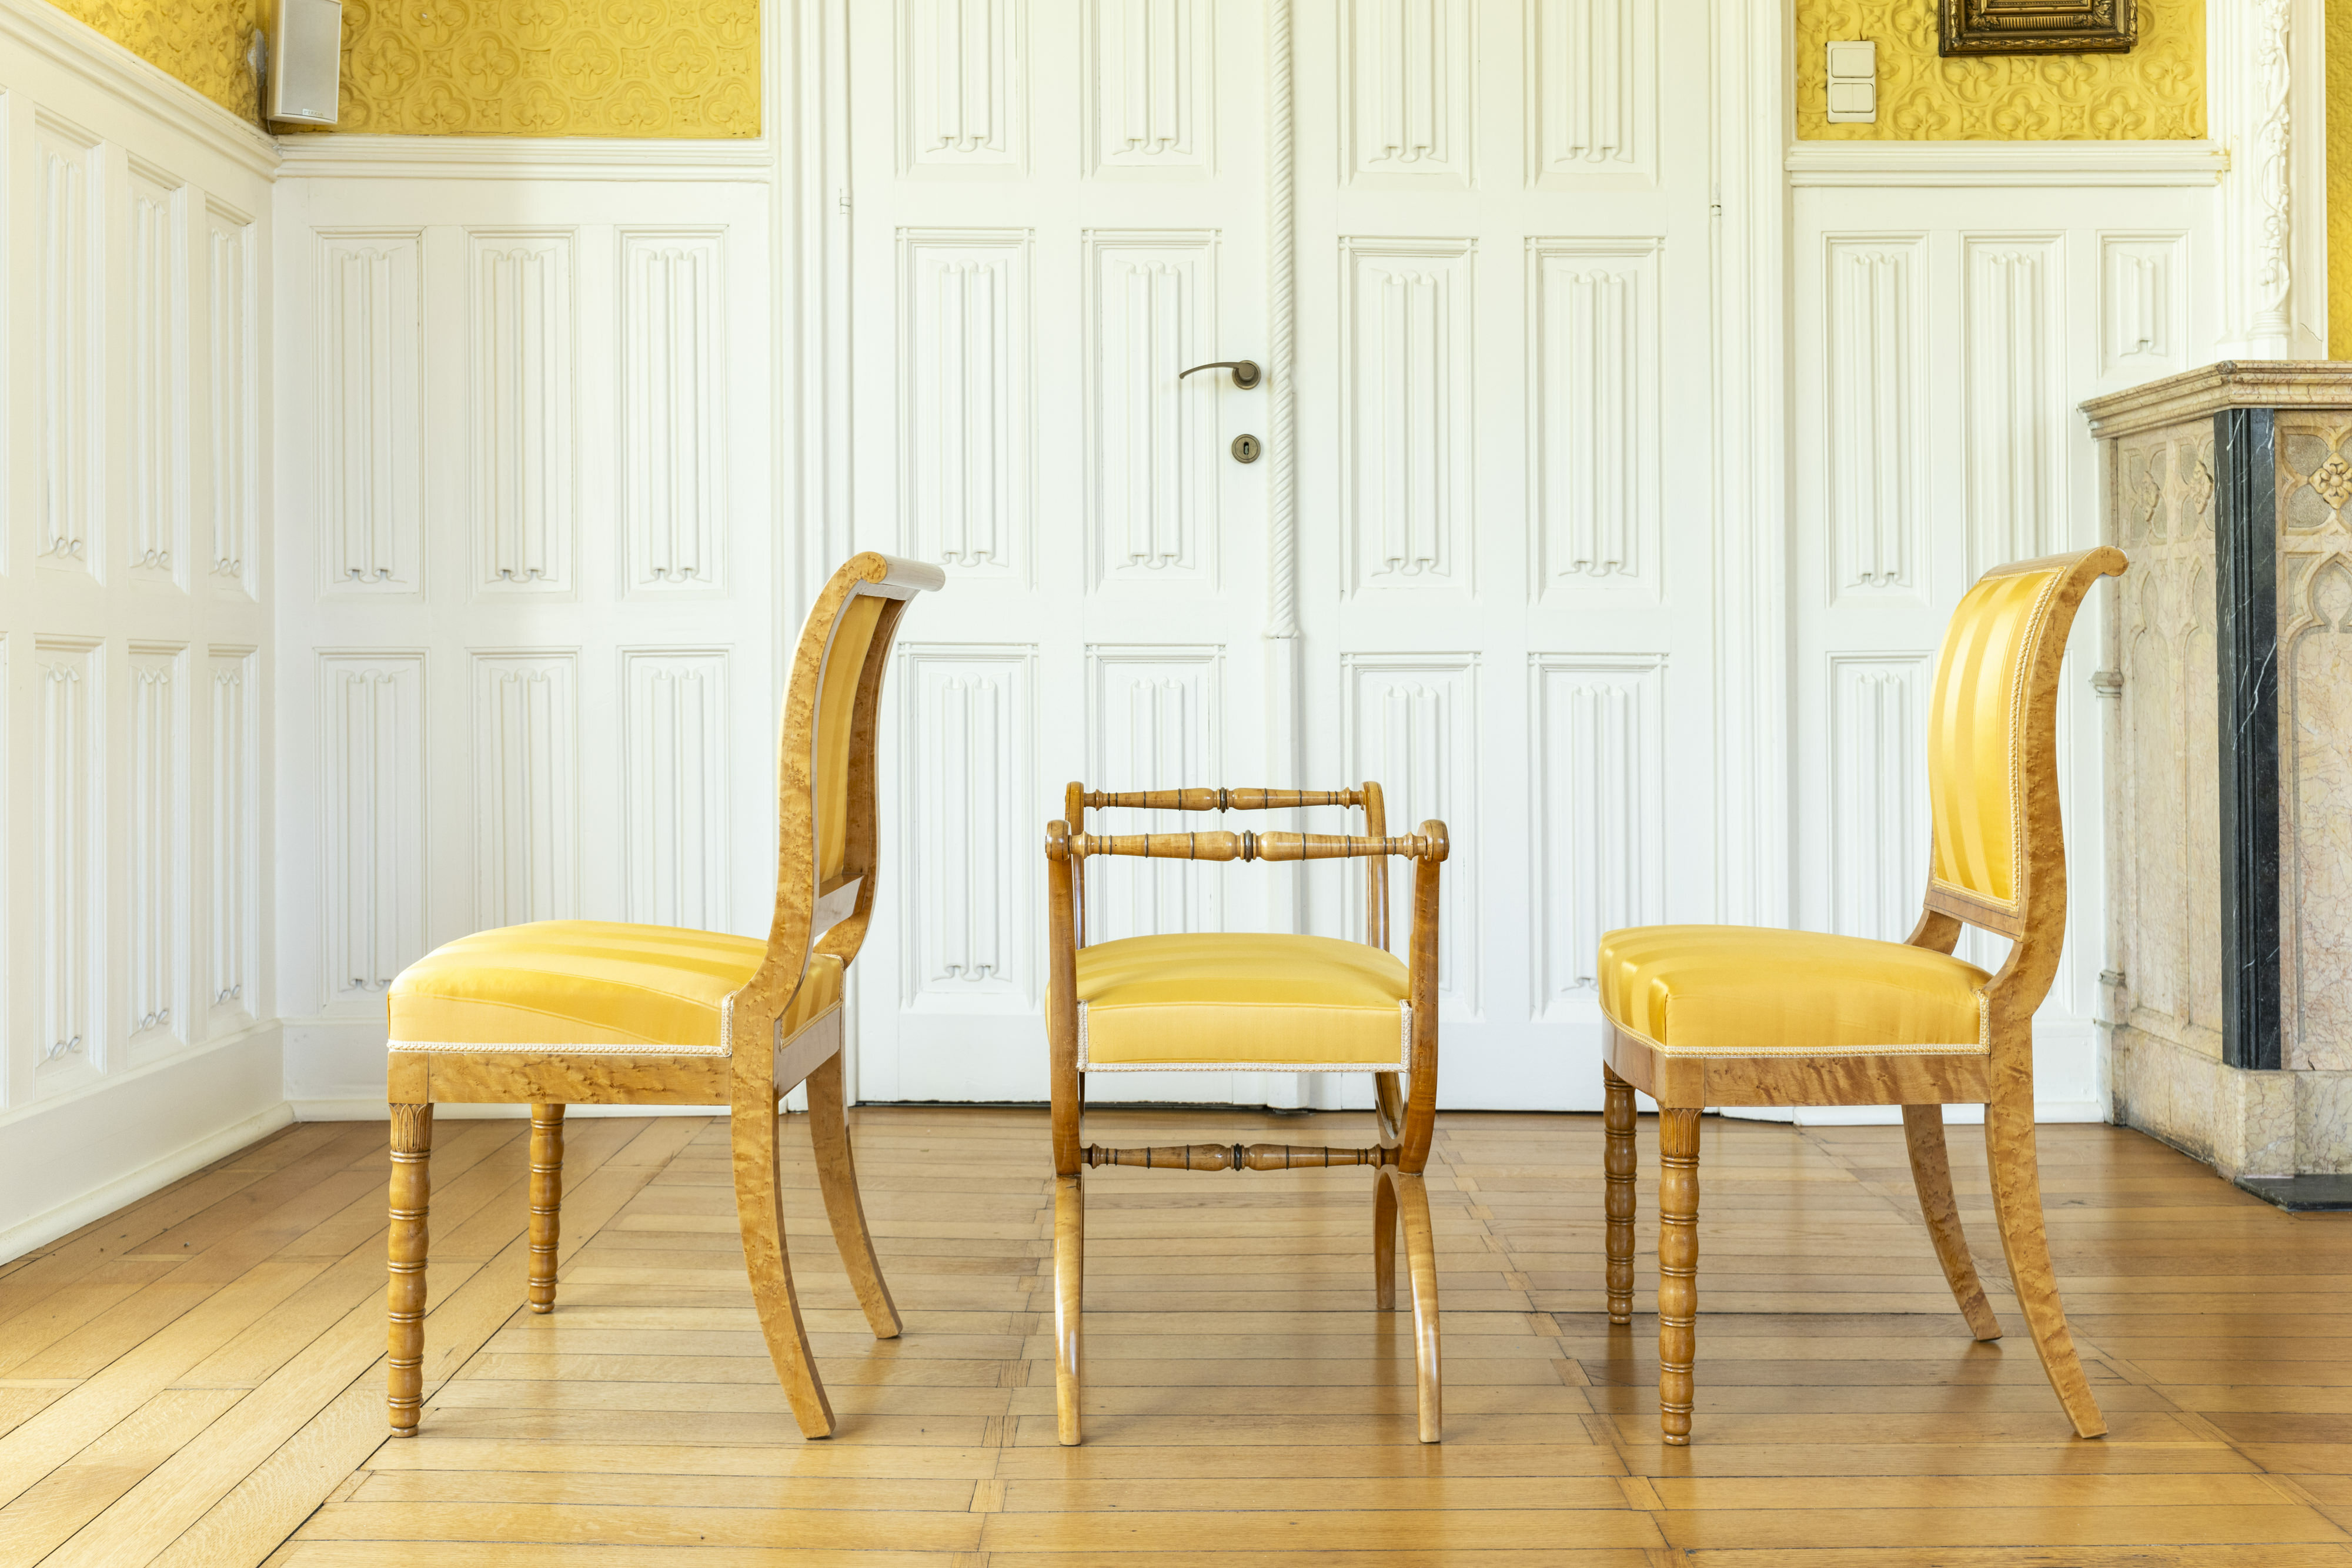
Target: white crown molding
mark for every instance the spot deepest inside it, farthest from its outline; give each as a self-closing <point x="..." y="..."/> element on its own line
<point x="1895" y="164"/>
<point x="750" y="160"/>
<point x="106" y="65"/>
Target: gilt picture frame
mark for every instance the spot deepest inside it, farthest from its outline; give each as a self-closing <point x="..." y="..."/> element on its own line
<point x="2037" y="26"/>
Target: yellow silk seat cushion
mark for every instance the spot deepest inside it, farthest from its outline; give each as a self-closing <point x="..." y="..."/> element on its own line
<point x="1240" y="1000"/>
<point x="590" y="985"/>
<point x="1736" y="991"/>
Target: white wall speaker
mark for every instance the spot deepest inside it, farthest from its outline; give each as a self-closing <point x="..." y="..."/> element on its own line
<point x="306" y="58"/>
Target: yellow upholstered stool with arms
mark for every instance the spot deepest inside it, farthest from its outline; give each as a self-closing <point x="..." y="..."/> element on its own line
<point x="590" y="1012"/>
<point x="1244" y="1002"/>
<point x="1701" y="1015"/>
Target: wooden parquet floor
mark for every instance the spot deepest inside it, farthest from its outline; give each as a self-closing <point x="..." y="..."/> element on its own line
<point x="198" y="1379"/>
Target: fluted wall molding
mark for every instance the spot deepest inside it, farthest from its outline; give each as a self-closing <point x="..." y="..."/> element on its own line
<point x="968" y="906"/>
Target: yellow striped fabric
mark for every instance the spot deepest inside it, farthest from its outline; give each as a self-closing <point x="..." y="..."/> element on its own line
<point x="1976" y="766"/>
<point x="836" y="710"/>
<point x="588" y="984"/>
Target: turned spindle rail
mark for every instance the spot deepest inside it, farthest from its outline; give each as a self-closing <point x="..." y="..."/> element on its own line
<point x="1237" y="1156"/>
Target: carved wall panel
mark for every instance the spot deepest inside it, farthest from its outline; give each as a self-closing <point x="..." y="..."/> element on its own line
<point x="1406" y="412"/>
<point x="2013" y="317"/>
<point x="1595" y="363"/>
<point x="69" y="678"/>
<point x="1155" y="720"/>
<point x="372" y="764"/>
<point x="522" y="433"/>
<point x="968" y="825"/>
<point x="67" y="531"/>
<point x="1599" y="753"/>
<point x="526" y="788"/>
<point x="1591" y="88"/>
<point x="1153" y="457"/>
<point x="1878" y="792"/>
<point x="234" y="405"/>
<point x="1411" y="721"/>
<point x="2143" y="304"/>
<point x="157" y="851"/>
<point x="963" y="99"/>
<point x="1411" y="81"/>
<point x="1876" y="313"/>
<point x="675" y="812"/>
<point x="370" y="472"/>
<point x="157" y="387"/>
<point x="231" y="975"/>
<point x="967" y="408"/>
<point x="1150" y="87"/>
<point x="674" y="417"/>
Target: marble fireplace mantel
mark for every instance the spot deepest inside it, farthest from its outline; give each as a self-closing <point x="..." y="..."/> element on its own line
<point x="2229" y="746"/>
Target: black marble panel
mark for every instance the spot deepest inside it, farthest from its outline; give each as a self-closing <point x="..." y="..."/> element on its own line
<point x="2245" y="536"/>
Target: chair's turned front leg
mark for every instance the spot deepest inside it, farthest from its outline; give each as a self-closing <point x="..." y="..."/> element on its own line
<point x="546" y="1202"/>
<point x="412" y="1189"/>
<point x="1618" y="1166"/>
<point x="1069" y="1301"/>
<point x="1421" y="1267"/>
<point x="1677" y="1269"/>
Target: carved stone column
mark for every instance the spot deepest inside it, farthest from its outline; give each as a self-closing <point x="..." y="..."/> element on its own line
<point x="2229" y="658"/>
<point x="2248" y="111"/>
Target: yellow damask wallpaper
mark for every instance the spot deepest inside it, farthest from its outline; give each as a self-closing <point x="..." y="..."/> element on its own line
<point x="2156" y="91"/>
<point x="2339" y="179"/>
<point x="552" y="68"/>
<point x="202" y="42"/>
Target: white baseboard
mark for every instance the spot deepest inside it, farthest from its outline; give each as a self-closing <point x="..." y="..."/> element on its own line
<point x="128" y="1189"/>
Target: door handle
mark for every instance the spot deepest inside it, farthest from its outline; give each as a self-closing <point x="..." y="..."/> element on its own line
<point x="1246" y="372"/>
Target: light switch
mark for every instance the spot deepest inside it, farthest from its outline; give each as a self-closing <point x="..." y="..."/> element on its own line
<point x="1853" y="80"/>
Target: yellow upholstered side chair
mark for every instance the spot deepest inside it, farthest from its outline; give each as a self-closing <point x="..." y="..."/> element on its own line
<point x="1248" y="1001"/>
<point x="1715" y="1015"/>
<point x="587" y="1012"/>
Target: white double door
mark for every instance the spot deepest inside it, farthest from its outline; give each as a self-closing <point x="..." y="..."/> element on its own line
<point x="1493" y="249"/>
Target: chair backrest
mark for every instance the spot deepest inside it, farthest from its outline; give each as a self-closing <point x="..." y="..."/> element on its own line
<point x="824" y="772"/>
<point x="1999" y="856"/>
<point x="1078" y="799"/>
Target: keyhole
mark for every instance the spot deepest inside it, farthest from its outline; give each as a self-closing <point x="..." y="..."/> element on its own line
<point x="1245" y="448"/>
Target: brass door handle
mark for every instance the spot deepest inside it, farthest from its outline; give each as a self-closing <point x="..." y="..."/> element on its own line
<point x="1246" y="372"/>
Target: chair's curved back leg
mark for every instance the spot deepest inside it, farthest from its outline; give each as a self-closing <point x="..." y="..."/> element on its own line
<point x="2017" y="1202"/>
<point x="546" y="1202"/>
<point x="1931" y="1173"/>
<point x="759" y="1210"/>
<point x="412" y="1191"/>
<point x="1412" y="1197"/>
<point x="836" y="1175"/>
<point x="1384" y="1240"/>
<point x="1069" y="1301"/>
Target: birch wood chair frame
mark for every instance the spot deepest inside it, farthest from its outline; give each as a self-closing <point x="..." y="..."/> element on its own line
<point x="2000" y="1076"/>
<point x="775" y="1037"/>
<point x="1406" y="1102"/>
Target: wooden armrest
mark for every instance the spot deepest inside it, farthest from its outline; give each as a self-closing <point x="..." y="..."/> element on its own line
<point x="1428" y="844"/>
<point x="1206" y="800"/>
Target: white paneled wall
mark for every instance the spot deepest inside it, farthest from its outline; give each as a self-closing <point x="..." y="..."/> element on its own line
<point x="1943" y="334"/>
<point x="135" y="630"/>
<point x="529" y="566"/>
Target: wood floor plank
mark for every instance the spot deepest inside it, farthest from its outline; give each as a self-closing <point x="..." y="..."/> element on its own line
<point x="1245" y="1404"/>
